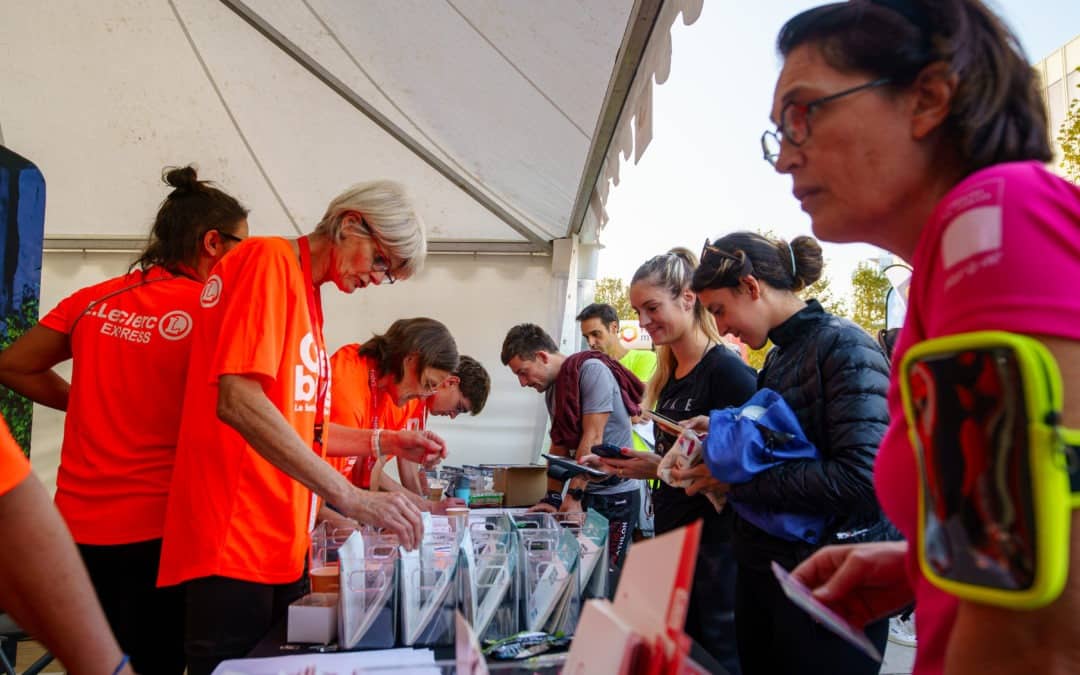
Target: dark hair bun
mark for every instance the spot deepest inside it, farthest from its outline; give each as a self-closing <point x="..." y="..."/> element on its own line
<point x="808" y="259"/>
<point x="181" y="178"/>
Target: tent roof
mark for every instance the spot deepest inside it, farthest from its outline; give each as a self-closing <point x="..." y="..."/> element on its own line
<point x="504" y="120"/>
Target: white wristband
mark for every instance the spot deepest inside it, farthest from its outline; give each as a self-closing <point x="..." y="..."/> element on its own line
<point x="376" y="443"/>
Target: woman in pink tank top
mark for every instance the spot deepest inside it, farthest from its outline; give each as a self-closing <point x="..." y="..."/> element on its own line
<point x="917" y="126"/>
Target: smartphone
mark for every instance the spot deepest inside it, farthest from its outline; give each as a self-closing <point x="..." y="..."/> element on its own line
<point x="608" y="450"/>
<point x="666" y="423"/>
<point x="804" y="598"/>
<point x="573" y="468"/>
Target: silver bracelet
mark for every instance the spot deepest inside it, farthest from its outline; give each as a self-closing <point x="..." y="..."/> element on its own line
<point x="376" y="443"/>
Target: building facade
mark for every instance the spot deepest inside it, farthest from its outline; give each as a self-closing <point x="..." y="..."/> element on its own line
<point x="1060" y="87"/>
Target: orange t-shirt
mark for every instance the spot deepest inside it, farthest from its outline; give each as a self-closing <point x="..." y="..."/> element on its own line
<point x="400" y="417"/>
<point x="130" y="338"/>
<point x="13" y="465"/>
<point x="355" y="404"/>
<point x="352" y="398"/>
<point x="231" y="512"/>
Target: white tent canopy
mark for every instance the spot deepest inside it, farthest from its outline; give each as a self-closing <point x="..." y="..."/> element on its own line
<point x="504" y="118"/>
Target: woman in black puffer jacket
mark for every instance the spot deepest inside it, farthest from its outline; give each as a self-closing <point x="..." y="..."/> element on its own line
<point x="834" y="376"/>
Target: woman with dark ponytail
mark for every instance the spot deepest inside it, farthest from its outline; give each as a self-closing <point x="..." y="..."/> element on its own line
<point x="194" y="223"/>
<point x="128" y="339"/>
<point x="834" y="377"/>
<point x="917" y="126"/>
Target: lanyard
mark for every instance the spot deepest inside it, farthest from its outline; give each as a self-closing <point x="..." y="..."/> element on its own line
<point x="375" y="396"/>
<point x="314" y="303"/>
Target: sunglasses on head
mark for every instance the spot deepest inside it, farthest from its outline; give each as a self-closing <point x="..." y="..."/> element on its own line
<point x="709" y="251"/>
<point x="716" y="257"/>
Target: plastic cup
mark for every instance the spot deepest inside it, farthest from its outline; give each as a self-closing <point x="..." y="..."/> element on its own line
<point x="325" y="579"/>
<point x="459" y="517"/>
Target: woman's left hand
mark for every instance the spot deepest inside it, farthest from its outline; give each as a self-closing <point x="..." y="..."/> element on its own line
<point x="701" y="480"/>
<point x="633" y="465"/>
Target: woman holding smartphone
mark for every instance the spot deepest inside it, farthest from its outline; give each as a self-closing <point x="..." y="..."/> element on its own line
<point x="695" y="373"/>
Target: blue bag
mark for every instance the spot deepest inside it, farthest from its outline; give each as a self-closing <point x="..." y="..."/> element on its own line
<point x="755" y="437"/>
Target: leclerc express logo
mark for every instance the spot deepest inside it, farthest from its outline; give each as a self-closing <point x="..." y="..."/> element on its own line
<point x="176" y="325"/>
<point x="211" y="291"/>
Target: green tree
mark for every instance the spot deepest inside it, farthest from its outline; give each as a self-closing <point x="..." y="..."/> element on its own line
<point x="1069" y="139"/>
<point x="16" y="409"/>
<point x="821" y="290"/>
<point x="756" y="357"/>
<point x="614" y="292"/>
<point x="869" y="288"/>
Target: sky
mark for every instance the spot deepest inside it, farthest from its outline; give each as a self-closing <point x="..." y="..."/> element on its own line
<point x="703" y="174"/>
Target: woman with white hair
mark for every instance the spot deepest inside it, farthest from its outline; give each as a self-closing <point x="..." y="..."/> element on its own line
<point x="249" y="461"/>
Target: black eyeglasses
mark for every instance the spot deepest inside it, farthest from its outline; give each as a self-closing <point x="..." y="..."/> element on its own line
<point x="794" y="124"/>
<point x="230" y="237"/>
<point x="380" y="262"/>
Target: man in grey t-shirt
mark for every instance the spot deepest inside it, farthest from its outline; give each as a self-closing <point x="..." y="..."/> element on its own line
<point x="535" y="359"/>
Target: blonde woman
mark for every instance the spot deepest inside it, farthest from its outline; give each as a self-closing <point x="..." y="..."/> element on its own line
<point x="695" y="373"/>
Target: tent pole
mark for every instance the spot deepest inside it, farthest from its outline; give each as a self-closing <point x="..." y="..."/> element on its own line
<point x="635" y="40"/>
<point x="564" y="268"/>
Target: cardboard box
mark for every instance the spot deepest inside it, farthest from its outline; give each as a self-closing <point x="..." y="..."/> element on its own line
<point x="521" y="484"/>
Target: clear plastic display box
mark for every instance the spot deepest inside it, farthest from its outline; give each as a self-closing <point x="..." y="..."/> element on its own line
<point x="490" y="588"/>
<point x="550" y="559"/>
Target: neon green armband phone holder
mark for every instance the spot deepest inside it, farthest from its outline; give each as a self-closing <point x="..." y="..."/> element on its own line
<point x="998" y="474"/>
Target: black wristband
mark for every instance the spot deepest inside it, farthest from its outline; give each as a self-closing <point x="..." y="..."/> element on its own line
<point x="577" y="494"/>
<point x="553" y="498"/>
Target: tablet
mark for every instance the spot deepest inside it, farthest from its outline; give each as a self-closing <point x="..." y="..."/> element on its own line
<point x="573" y="467"/>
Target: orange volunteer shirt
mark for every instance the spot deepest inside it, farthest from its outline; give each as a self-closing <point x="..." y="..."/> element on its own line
<point x="352" y="400"/>
<point x="393" y="418"/>
<point x="130" y="340"/>
<point x="13" y="465"/>
<point x="355" y="404"/>
<point x="231" y="512"/>
<point x="399" y="417"/>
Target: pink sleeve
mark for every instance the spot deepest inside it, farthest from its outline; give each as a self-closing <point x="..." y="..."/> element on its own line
<point x="1007" y="255"/>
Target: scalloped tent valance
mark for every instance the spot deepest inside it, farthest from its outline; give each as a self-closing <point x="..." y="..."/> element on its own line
<point x="505" y="119"/>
